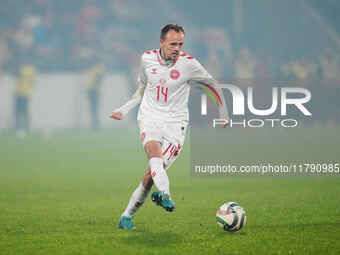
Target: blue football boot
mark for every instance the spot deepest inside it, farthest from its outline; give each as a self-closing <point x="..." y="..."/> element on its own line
<point x="125" y="223"/>
<point x="164" y="200"/>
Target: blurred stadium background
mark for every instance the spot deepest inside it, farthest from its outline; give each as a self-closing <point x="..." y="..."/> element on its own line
<point x="81" y="57"/>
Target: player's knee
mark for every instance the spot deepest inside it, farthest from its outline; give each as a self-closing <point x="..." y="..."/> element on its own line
<point x="153" y="149"/>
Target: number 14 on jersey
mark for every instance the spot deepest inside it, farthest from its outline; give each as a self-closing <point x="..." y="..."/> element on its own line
<point x="162" y="92"/>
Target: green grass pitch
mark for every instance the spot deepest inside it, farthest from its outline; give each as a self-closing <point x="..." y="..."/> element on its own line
<point x="64" y="194"/>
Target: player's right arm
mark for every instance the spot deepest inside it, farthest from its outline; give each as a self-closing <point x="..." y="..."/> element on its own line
<point x="200" y="74"/>
<point x="119" y="113"/>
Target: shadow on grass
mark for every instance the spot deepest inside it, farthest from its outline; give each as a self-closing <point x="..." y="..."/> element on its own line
<point x="318" y="225"/>
<point x="152" y="239"/>
<point x="242" y="233"/>
<point x="291" y="226"/>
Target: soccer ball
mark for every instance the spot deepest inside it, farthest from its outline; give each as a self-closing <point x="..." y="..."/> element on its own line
<point x="231" y="216"/>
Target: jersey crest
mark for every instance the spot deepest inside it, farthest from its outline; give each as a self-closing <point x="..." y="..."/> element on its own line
<point x="174" y="74"/>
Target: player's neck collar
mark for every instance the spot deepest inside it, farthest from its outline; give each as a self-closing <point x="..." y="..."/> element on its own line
<point x="162" y="61"/>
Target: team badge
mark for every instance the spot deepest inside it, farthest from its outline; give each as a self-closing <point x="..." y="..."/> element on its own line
<point x="174" y="74"/>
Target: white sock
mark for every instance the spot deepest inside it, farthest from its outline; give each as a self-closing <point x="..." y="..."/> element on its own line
<point x="159" y="176"/>
<point x="136" y="200"/>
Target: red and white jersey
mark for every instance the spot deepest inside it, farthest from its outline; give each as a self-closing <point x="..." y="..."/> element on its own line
<point x="164" y="88"/>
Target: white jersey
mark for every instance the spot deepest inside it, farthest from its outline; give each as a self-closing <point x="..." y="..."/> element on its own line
<point x="164" y="88"/>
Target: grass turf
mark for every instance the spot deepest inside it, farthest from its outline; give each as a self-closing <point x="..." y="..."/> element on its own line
<point x="64" y="194"/>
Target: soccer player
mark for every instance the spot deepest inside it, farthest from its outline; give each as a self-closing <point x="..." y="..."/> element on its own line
<point x="164" y="81"/>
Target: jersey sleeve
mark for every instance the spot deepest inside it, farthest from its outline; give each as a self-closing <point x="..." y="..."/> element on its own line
<point x="201" y="76"/>
<point x="138" y="95"/>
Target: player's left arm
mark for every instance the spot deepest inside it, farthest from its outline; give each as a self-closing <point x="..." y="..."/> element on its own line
<point x="200" y="75"/>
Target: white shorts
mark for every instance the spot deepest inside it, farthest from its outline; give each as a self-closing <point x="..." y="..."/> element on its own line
<point x="171" y="135"/>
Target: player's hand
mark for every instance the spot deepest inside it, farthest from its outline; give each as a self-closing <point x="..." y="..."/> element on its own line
<point x="116" y="116"/>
